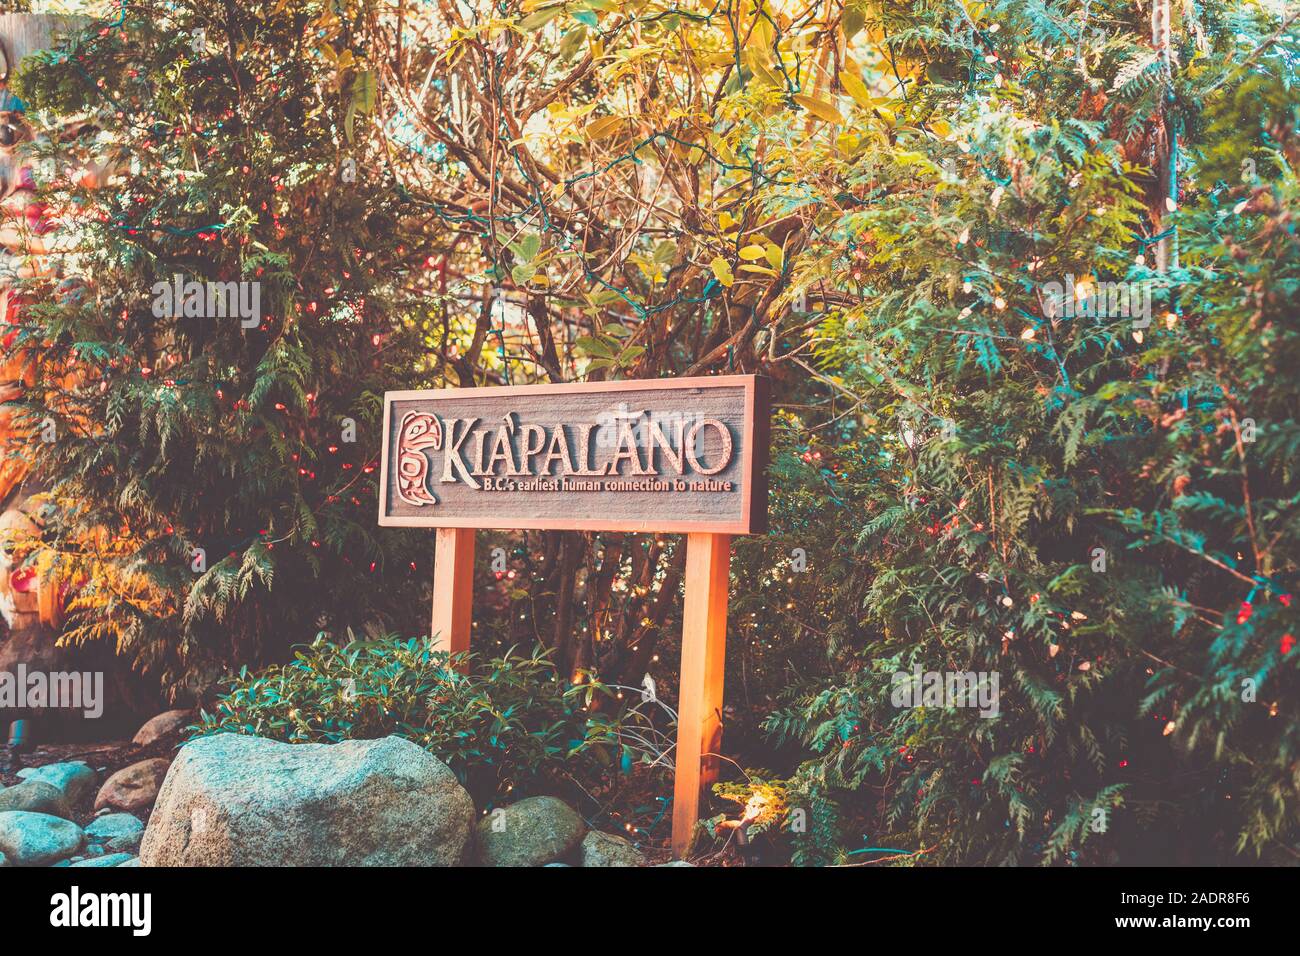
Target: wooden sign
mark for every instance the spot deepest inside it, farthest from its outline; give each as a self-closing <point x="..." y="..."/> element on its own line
<point x="668" y="455"/>
<point x="664" y="456"/>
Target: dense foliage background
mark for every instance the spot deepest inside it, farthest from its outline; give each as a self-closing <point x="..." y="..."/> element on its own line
<point x="867" y="202"/>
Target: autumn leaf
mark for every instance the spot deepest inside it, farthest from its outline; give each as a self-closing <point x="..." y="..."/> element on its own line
<point x="822" y="109"/>
<point x="604" y="127"/>
<point x="722" y="271"/>
<point x="855" y="88"/>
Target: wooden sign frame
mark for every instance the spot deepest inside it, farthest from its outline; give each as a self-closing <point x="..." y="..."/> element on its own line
<point x="708" y="563"/>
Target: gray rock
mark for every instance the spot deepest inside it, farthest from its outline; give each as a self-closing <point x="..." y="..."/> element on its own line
<point x="134" y="787"/>
<point x="231" y="800"/>
<point x="606" y="849"/>
<point x="37" y="839"/>
<point x="111" y="825"/>
<point x="676" y="863"/>
<point x="113" y="859"/>
<point x="125" y="844"/>
<point x="115" y="833"/>
<point x="532" y="832"/>
<point x="134" y="861"/>
<point x="167" y="724"/>
<point x="35" y="796"/>
<point x="74" y="778"/>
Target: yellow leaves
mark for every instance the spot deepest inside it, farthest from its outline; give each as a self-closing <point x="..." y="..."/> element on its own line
<point x="540" y="13"/>
<point x="762" y="35"/>
<point x="641" y="50"/>
<point x="775" y="255"/>
<point x="822" y="109"/>
<point x="604" y="127"/>
<point x="564" y="115"/>
<point x="751" y="254"/>
<point x="722" y="271"/>
<point x="687" y="153"/>
<point x="855" y="88"/>
<point x="723" y="149"/>
<point x="759" y="68"/>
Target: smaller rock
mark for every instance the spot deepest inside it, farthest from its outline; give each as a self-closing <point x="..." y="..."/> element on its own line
<point x="118" y="832"/>
<point x="167" y="724"/>
<point x="607" y="849"/>
<point x="134" y="787"/>
<point x="125" y="844"/>
<point x="74" y="778"/>
<point x="37" y="839"/>
<point x="134" y="861"/>
<point x="532" y="832"/>
<point x="113" y="859"/>
<point x="110" y="825"/>
<point x="35" y="796"/>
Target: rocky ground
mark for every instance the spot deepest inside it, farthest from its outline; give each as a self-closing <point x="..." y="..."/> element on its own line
<point x="86" y="805"/>
<point x="229" y="800"/>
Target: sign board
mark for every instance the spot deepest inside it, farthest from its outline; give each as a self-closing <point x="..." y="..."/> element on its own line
<point x="674" y="455"/>
<point x="666" y="455"/>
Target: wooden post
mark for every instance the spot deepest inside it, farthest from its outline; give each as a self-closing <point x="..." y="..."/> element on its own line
<point x="453" y="589"/>
<point x="704" y="648"/>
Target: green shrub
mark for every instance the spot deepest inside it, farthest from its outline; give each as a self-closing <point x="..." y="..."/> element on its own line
<point x="507" y="724"/>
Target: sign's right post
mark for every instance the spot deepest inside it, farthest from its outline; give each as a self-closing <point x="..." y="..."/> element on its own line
<point x="704" y="652"/>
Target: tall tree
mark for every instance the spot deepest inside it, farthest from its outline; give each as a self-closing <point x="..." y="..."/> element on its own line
<point x="213" y="478"/>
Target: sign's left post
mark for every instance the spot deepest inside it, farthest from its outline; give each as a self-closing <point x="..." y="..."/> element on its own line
<point x="453" y="589"/>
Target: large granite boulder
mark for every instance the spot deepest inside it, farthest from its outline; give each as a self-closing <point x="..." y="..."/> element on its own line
<point x="231" y="800"/>
<point x="37" y="839"/>
<point x="532" y="832"/>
